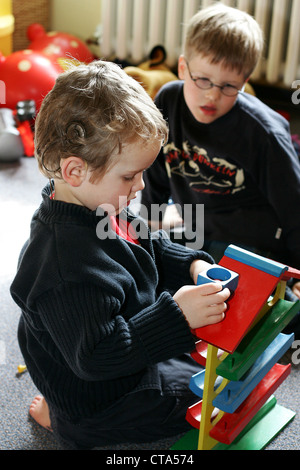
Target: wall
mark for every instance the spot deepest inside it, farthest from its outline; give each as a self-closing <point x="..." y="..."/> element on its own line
<point x="78" y="17"/>
<point x="27" y="12"/>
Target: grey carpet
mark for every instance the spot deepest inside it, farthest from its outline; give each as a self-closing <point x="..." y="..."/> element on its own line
<point x="20" y="188"/>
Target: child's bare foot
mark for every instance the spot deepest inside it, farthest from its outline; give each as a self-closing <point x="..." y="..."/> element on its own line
<point x="39" y="411"/>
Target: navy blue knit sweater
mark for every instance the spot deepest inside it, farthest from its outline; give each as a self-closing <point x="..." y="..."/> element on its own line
<point x="96" y="314"/>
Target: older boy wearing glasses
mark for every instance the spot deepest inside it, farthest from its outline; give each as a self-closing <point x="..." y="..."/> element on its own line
<point x="226" y="149"/>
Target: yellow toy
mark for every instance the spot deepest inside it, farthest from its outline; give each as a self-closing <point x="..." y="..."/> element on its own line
<point x="21" y="368"/>
<point x="152" y="74"/>
<point x="7" y="22"/>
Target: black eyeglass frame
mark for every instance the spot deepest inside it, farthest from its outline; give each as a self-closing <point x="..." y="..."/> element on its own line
<point x="212" y="85"/>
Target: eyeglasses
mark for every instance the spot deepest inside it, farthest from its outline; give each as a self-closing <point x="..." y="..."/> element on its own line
<point x="206" y="84"/>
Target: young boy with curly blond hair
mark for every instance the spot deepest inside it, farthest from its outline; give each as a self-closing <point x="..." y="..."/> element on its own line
<point x="106" y="317"/>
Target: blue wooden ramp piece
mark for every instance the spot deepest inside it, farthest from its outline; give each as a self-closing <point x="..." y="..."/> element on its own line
<point x="197" y="383"/>
<point x="256" y="261"/>
<point x="235" y="393"/>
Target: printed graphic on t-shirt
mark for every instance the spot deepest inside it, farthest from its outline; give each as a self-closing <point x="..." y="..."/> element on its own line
<point x="205" y="174"/>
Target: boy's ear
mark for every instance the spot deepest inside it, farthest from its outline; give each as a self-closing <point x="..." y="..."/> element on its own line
<point x="181" y="67"/>
<point x="73" y="170"/>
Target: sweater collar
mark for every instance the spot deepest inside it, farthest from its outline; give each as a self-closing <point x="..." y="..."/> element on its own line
<point x="52" y="210"/>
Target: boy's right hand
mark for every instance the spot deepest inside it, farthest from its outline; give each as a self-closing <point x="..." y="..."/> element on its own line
<point x="202" y="305"/>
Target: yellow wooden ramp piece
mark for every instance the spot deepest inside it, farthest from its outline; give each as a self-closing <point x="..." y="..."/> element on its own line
<point x="209" y="393"/>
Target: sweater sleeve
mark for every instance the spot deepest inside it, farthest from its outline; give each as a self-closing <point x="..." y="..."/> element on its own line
<point x="274" y="166"/>
<point x="282" y="185"/>
<point x="97" y="342"/>
<point x="269" y="156"/>
<point x="173" y="262"/>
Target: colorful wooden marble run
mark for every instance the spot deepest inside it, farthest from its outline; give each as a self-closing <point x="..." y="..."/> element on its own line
<point x="238" y="357"/>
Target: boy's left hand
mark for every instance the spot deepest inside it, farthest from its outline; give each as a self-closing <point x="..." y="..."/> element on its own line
<point x="197" y="267"/>
<point x="296" y="289"/>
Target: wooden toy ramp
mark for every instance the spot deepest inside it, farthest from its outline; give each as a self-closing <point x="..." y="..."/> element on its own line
<point x="258" y="279"/>
<point x="238" y="358"/>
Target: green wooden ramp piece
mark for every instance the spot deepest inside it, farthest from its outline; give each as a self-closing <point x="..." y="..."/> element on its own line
<point x="262" y="429"/>
<point x="258" y="339"/>
<point x="263" y="432"/>
<point x="188" y="442"/>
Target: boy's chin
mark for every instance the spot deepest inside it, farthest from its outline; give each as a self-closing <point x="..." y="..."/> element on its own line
<point x="108" y="209"/>
<point x="206" y="118"/>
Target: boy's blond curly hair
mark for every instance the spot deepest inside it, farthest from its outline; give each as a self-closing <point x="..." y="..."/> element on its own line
<point x="226" y="35"/>
<point x="92" y="112"/>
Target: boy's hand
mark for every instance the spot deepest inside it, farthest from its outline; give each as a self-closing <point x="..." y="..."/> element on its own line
<point x="296" y="289"/>
<point x="202" y="305"/>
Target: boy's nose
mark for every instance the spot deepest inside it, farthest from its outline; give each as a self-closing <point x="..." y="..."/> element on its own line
<point x="213" y="93"/>
<point x="138" y="185"/>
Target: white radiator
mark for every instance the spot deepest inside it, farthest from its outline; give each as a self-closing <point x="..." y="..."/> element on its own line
<point x="130" y="28"/>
